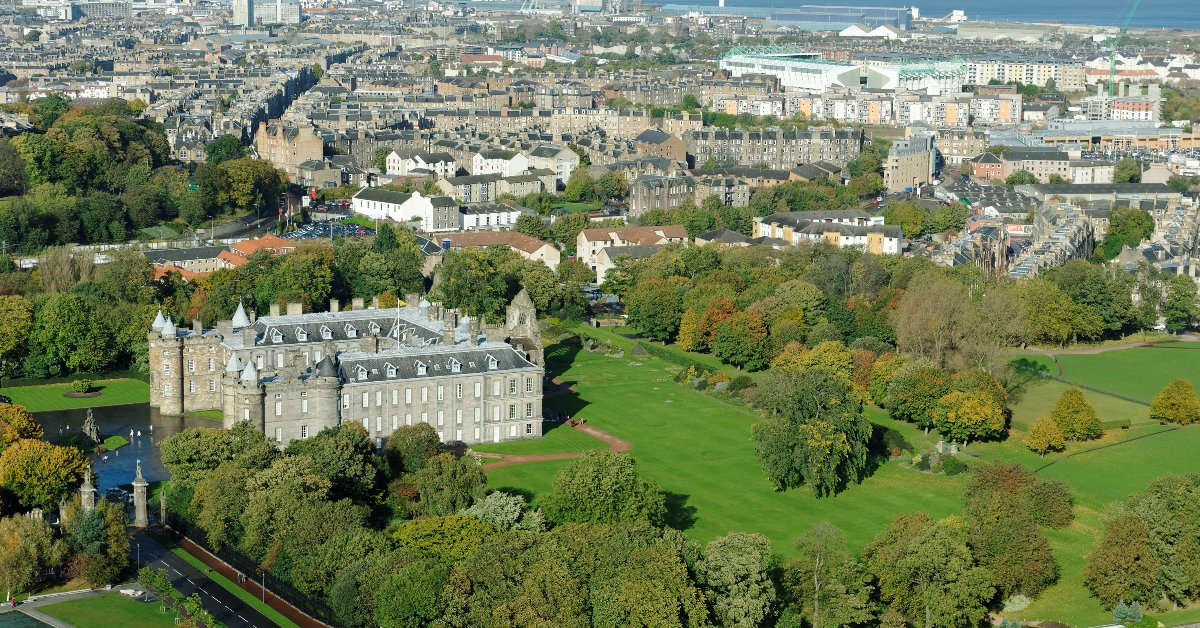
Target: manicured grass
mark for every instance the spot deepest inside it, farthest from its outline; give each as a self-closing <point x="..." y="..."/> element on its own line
<point x="226" y="583"/>
<point x="216" y="415"/>
<point x="700" y="450"/>
<point x="1140" y="373"/>
<point x="1036" y="396"/>
<point x="110" y="442"/>
<point x="114" y="392"/>
<point x="579" y="207"/>
<point x="558" y="439"/>
<point x="110" y="610"/>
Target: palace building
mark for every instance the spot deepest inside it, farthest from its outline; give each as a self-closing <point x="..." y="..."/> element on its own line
<point x="294" y="374"/>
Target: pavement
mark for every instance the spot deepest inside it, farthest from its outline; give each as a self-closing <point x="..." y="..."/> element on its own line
<point x="222" y="604"/>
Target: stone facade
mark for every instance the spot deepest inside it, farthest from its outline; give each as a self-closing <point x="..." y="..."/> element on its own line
<point x="293" y="375"/>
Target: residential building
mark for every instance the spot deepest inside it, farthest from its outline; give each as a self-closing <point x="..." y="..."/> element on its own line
<point x="957" y="145"/>
<point x="506" y="163"/>
<point x="527" y="247"/>
<point x="607" y="258"/>
<point x="780" y="150"/>
<point x="662" y="144"/>
<point x="732" y="191"/>
<point x="243" y="13"/>
<point x="1090" y="171"/>
<point x="489" y="216"/>
<point x="649" y="192"/>
<point x="910" y="163"/>
<point x="473" y="188"/>
<point x="1041" y="164"/>
<point x="985" y="166"/>
<point x="287" y="146"/>
<point x="408" y="163"/>
<point x="198" y="260"/>
<point x="841" y="228"/>
<point x="590" y="242"/>
<point x="562" y="160"/>
<point x="424" y="213"/>
<point x="292" y="375"/>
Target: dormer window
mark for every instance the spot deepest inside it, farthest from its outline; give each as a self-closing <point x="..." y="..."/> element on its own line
<point x="455" y="366"/>
<point x="493" y="363"/>
<point x="326" y="333"/>
<point x="420" y="368"/>
<point x="391" y="371"/>
<point x="362" y="373"/>
<point x="351" y="332"/>
<point x="301" y="335"/>
<point x="374" y="328"/>
<point x="276" y="336"/>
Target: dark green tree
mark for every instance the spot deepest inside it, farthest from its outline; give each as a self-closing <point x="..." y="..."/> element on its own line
<point x="1128" y="171"/>
<point x="223" y="149"/>
<point x="604" y="487"/>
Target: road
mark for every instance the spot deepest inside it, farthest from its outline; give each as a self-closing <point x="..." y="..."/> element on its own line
<point x="223" y="605"/>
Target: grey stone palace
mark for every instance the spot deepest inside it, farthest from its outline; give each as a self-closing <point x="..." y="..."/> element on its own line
<point x="295" y="374"/>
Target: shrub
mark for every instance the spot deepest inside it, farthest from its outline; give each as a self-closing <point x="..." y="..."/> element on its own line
<point x="922" y="463"/>
<point x="952" y="466"/>
<point x="1044" y="435"/>
<point x="81" y="385"/>
<point x="740" y="383"/>
<point x="717" y="378"/>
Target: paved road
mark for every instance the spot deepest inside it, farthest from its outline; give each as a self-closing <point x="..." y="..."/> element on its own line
<point x="223" y="605"/>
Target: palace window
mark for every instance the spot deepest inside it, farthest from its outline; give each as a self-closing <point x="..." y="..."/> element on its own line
<point x="276" y="336"/>
<point x="326" y="333"/>
<point x="362" y="373"/>
<point x="391" y="372"/>
<point x="420" y="368"/>
<point x="301" y="335"/>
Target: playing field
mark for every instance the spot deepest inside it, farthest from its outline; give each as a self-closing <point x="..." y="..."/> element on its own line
<point x="113" y="392"/>
<point x="700" y="450"/>
<point x="110" y="610"/>
<point x="1139" y="372"/>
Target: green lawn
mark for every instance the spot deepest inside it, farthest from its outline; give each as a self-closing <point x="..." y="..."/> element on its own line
<point x="216" y="415"/>
<point x="700" y="450"/>
<point x="113" y="392"/>
<point x="1139" y="373"/>
<point x="110" y="610"/>
<point x="558" y="439"/>
<point x="110" y="442"/>
<point x="579" y="207"/>
<point x="227" y="584"/>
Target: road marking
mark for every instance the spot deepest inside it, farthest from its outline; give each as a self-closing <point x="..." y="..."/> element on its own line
<point x="242" y="618"/>
<point x="177" y="572"/>
<point x="229" y="609"/>
<point x="190" y="580"/>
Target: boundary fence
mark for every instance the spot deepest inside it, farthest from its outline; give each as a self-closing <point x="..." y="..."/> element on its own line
<point x="248" y="566"/>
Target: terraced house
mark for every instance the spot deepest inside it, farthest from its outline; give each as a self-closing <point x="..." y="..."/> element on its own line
<point x="781" y="150"/>
<point x="294" y="374"/>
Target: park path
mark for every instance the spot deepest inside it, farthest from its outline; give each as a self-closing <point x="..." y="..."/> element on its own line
<point x="563" y="389"/>
<point x="615" y="445"/>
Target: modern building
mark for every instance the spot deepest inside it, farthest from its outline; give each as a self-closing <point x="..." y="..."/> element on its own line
<point x="243" y="13"/>
<point x="838" y="18"/>
<point x="506" y="163"/>
<point x="793" y="69"/>
<point x="417" y="163"/>
<point x="841" y="228"/>
<point x="292" y="375"/>
<point x="1041" y="164"/>
<point x="591" y="242"/>
<point x="198" y="260"/>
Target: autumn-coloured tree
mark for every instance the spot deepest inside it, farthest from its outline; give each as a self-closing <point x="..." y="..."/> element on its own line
<point x="1122" y="565"/>
<point x="915" y="390"/>
<point x="40" y="474"/>
<point x="689" y="330"/>
<point x="1044" y="436"/>
<point x="16" y="423"/>
<point x="966" y="415"/>
<point x="718" y="310"/>
<point x="864" y="361"/>
<point x="791" y="358"/>
<point x="788" y="326"/>
<point x="1176" y="403"/>
<point x="1076" y="418"/>
<point x="741" y="340"/>
<point x="881" y="376"/>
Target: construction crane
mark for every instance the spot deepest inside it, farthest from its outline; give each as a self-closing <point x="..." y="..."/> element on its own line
<point x="1112" y="53"/>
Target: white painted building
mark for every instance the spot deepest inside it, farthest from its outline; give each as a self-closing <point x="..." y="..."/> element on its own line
<point x="506" y="163"/>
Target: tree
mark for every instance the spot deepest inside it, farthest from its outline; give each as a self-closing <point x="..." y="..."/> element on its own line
<point x="1176" y="403"/>
<point x="1043" y="436"/>
<point x="385" y="239"/>
<point x="614" y="183"/>
<point x="448" y="484"/>
<point x="816" y="435"/>
<point x="253" y="184"/>
<point x="12" y="170"/>
<point x="826" y="579"/>
<point x="472" y="280"/>
<point x="735" y="575"/>
<point x="101" y="536"/>
<point x="925" y="570"/>
<point x="48" y="110"/>
<point x="410" y="447"/>
<point x="344" y="455"/>
<point x="914" y="391"/>
<point x="1180" y="307"/>
<point x="581" y="187"/>
<point x="411" y="595"/>
<point x="40" y="474"/>
<point x="1020" y="177"/>
<point x="218" y="501"/>
<point x="741" y="340"/>
<point x="688" y="337"/>
<point x="1128" y="171"/>
<point x="17" y="423"/>
<point x="532" y="226"/>
<point x="506" y="512"/>
<point x="381" y="155"/>
<point x="653" y="588"/>
<point x="1121" y="565"/>
<point x="655" y="308"/>
<point x="690" y="102"/>
<point x="190" y="454"/>
<point x="881" y="377"/>
<point x="966" y="415"/>
<point x="604" y="487"/>
<point x="28" y="550"/>
<point x="1075" y="417"/>
<point x="934" y="316"/>
<point x="1052" y="316"/>
<point x="449" y="538"/>
<point x="223" y="149"/>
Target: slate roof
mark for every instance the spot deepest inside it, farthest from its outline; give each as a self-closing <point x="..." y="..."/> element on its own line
<point x="723" y="235"/>
<point x="652" y="136"/>
<point x="176" y="255"/>
<point x="405" y="363"/>
<point x="309" y="328"/>
<point x="382" y="196"/>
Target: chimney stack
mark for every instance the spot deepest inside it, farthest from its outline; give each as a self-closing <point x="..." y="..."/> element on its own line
<point x="253" y="317"/>
<point x="197" y="326"/>
<point x="248" y="337"/>
<point x="274" y="309"/>
<point x="369" y="344"/>
<point x="295" y="309"/>
<point x="225" y="328"/>
<point x="357" y="303"/>
<point x="448" y="335"/>
<point x="375" y="302"/>
<point x="333" y="305"/>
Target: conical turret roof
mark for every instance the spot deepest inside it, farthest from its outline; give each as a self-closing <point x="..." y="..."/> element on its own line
<point x="239" y="318"/>
<point x="158" y="323"/>
<point x="168" y="329"/>
<point x="249" y="375"/>
<point x="235" y="365"/>
<point x="325" y="368"/>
